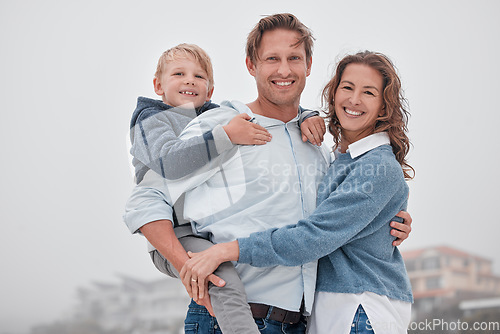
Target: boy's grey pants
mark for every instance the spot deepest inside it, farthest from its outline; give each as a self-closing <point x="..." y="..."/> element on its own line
<point x="229" y="302"/>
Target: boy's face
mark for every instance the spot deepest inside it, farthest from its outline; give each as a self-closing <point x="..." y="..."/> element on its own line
<point x="183" y="83"/>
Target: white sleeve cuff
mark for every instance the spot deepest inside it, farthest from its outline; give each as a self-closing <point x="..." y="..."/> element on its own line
<point x="221" y="140"/>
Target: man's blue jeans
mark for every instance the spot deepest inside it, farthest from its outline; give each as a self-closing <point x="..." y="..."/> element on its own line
<point x="199" y="321"/>
<point x="360" y="323"/>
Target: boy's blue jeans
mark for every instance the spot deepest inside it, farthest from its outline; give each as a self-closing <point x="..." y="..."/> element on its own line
<point x="199" y="321"/>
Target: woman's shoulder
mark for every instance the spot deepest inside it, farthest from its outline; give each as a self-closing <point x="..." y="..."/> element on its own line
<point x="380" y="159"/>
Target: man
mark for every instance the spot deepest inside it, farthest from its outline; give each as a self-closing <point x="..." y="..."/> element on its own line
<point x="252" y="188"/>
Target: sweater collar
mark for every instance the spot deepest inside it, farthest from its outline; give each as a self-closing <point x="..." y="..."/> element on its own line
<point x="368" y="143"/>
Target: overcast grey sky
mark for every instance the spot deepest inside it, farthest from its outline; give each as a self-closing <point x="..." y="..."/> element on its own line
<point x="70" y="75"/>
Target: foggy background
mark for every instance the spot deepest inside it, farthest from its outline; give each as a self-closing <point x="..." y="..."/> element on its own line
<point x="70" y="73"/>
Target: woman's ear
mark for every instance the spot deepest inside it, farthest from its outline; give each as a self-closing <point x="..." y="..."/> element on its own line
<point x="382" y="112"/>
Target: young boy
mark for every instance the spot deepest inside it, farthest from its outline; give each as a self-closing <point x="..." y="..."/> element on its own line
<point x="184" y="80"/>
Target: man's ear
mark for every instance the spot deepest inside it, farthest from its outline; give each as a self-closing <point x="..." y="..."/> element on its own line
<point x="250" y="66"/>
<point x="309" y="66"/>
<point x="157" y="87"/>
<point x="209" y="95"/>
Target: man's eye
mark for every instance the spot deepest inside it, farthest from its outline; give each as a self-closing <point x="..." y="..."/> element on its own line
<point x="295" y="58"/>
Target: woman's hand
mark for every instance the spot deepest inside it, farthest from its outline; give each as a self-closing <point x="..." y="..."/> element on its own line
<point x="401" y="230"/>
<point x="198" y="271"/>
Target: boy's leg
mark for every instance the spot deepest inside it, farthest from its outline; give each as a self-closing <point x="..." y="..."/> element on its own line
<point x="163" y="265"/>
<point x="229" y="302"/>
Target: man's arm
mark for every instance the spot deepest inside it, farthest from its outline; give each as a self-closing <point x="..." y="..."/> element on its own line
<point x="149" y="212"/>
<point x="161" y="235"/>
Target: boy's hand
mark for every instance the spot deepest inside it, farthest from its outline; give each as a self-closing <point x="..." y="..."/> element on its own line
<point x="241" y="131"/>
<point x="313" y="130"/>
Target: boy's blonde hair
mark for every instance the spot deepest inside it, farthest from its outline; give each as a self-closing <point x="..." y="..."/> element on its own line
<point x="183" y="51"/>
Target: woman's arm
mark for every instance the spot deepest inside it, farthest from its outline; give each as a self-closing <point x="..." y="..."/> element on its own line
<point x="341" y="218"/>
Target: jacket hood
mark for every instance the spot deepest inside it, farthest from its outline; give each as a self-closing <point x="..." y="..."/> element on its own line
<point x="147" y="107"/>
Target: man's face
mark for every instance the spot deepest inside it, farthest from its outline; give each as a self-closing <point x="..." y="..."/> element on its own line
<point x="281" y="68"/>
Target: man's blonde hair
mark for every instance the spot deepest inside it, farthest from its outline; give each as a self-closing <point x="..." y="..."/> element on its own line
<point x="279" y="21"/>
<point x="183" y="51"/>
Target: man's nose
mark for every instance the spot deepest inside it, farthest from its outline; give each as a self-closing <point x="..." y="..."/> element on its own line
<point x="284" y="69"/>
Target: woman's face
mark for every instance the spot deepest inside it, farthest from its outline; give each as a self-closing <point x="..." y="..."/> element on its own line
<point x="358" y="101"/>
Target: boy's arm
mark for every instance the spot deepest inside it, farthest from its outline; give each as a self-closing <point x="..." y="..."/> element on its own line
<point x="312" y="126"/>
<point x="242" y="131"/>
<point x="157" y="145"/>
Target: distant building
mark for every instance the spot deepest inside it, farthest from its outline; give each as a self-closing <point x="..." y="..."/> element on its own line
<point x="473" y="306"/>
<point x="440" y="274"/>
<point x="134" y="306"/>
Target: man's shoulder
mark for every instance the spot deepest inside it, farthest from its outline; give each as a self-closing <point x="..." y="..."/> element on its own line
<point x="222" y="114"/>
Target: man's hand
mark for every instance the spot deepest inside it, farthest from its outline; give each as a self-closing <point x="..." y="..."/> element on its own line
<point x="401" y="230"/>
<point x="313" y="129"/>
<point x="241" y="131"/>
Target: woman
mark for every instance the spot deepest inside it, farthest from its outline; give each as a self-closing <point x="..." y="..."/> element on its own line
<point x="362" y="284"/>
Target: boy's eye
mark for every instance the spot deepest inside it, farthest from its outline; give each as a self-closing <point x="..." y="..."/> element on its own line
<point x="178" y="73"/>
<point x="200" y="76"/>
